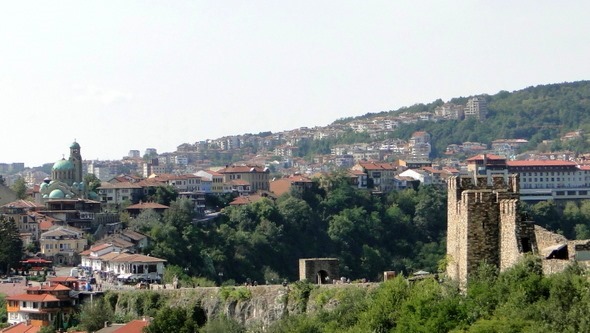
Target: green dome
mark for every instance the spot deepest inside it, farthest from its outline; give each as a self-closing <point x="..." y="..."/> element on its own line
<point x="75" y="145"/>
<point x="56" y="194"/>
<point x="63" y="164"/>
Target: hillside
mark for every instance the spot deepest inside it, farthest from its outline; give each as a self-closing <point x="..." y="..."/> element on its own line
<point x="543" y="112"/>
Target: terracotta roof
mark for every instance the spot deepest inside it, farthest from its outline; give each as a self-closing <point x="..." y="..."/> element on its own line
<point x="279" y="186"/>
<point x="541" y="163"/>
<point x="95" y="249"/>
<point x="137" y="236"/>
<point x="33" y="298"/>
<point x="488" y="156"/>
<point x="246" y="199"/>
<point x="22" y="328"/>
<point x="48" y="288"/>
<point x="22" y="204"/>
<point x="134" y="326"/>
<point x="124" y="257"/>
<point x="241" y="169"/>
<point x="148" y="205"/>
<point x="431" y="170"/>
<point x="377" y="166"/>
<point x="117" y="241"/>
<point x="125" y="184"/>
<point x="60" y="279"/>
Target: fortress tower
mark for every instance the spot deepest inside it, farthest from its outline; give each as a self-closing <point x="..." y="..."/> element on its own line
<point x="484" y="224"/>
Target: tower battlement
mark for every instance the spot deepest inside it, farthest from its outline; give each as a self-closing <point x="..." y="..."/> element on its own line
<point x="484" y="224"/>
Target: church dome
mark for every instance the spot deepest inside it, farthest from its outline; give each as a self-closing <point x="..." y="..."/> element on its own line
<point x="56" y="194"/>
<point x="63" y="164"/>
<point x="75" y="145"/>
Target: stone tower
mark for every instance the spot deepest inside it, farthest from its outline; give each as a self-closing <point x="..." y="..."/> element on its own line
<point x="484" y="224"/>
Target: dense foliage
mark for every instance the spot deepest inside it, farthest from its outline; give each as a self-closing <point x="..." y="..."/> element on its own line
<point x="263" y="241"/>
<point x="521" y="299"/>
<point x="11" y="245"/>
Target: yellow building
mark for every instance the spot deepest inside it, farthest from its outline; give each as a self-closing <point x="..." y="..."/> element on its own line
<point x="61" y="244"/>
<point x="258" y="177"/>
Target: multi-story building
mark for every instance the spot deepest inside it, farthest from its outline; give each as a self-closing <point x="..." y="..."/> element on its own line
<point x="119" y="193"/>
<point x="450" y="111"/>
<point x="380" y="176"/>
<point x="20" y="211"/>
<point x="153" y="167"/>
<point x="538" y="179"/>
<point x="215" y="181"/>
<point x="476" y="107"/>
<point x="257" y="176"/>
<point x="551" y="180"/>
<point x="40" y="306"/>
<point x="61" y="244"/>
<point x="133" y="154"/>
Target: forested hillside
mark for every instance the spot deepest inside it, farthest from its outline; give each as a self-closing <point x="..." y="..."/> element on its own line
<point x="538" y="113"/>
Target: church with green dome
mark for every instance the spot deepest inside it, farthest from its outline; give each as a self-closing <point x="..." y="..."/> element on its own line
<point x="66" y="180"/>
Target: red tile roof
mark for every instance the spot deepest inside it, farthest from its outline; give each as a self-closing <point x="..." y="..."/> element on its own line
<point x="22" y="328"/>
<point x="377" y="166"/>
<point x="33" y="298"/>
<point x="95" y="249"/>
<point x="134" y="326"/>
<point x="488" y="156"/>
<point x="23" y="204"/>
<point x="530" y="163"/>
<point x="244" y="200"/>
<point x="148" y="205"/>
<point x="241" y="169"/>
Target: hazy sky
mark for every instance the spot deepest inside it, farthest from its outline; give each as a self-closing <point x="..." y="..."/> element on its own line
<point x="121" y="75"/>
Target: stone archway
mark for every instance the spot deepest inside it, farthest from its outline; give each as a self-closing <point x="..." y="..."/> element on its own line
<point x="322" y="277"/>
<point x="319" y="270"/>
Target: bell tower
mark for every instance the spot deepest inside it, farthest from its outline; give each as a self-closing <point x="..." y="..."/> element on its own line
<point x="76" y="159"/>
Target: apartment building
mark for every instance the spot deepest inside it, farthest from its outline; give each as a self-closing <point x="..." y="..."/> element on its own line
<point x="40" y="306"/>
<point x="61" y="244"/>
<point x="538" y="180"/>
<point x="257" y="176"/>
<point x="476" y="107"/>
<point x="380" y="176"/>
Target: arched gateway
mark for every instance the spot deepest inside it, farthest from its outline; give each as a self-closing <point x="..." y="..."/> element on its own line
<point x="318" y="270"/>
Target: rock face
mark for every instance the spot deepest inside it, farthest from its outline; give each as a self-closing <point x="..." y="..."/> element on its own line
<point x="255" y="307"/>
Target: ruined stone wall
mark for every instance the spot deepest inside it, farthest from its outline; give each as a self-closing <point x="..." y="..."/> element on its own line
<point x="310" y="267"/>
<point x="509" y="229"/>
<point x="454" y="244"/>
<point x="482" y="229"/>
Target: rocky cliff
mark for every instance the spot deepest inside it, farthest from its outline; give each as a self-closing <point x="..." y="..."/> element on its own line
<point x="255" y="307"/>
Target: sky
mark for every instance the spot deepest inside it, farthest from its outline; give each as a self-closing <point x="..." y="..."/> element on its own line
<point x="120" y="75"/>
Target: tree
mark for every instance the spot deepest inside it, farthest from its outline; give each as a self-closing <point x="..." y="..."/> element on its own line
<point x="20" y="188"/>
<point x="94" y="314"/>
<point x="172" y="320"/>
<point x="146" y="220"/>
<point x="11" y="246"/>
<point x="163" y="195"/>
<point x="91" y="182"/>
